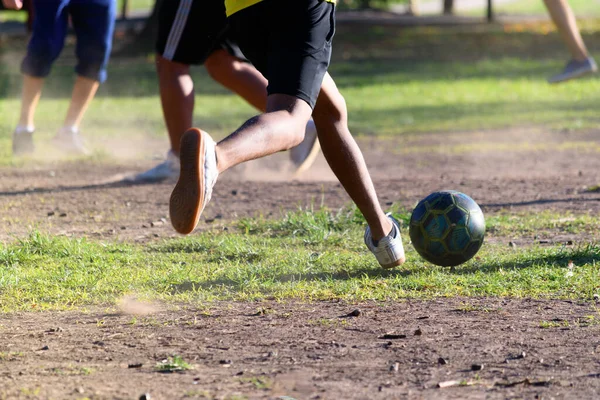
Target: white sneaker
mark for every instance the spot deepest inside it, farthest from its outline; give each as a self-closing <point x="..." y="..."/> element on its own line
<point x="68" y="140"/>
<point x="305" y="154"/>
<point x="198" y="174"/>
<point x="168" y="169"/>
<point x="388" y="251"/>
<point x="575" y="69"/>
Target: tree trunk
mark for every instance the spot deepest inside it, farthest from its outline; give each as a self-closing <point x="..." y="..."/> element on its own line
<point x="490" y="11"/>
<point x="448" y="7"/>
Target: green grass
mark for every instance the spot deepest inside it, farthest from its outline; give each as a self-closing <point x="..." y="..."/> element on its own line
<point x="173" y="364"/>
<point x="302" y="255"/>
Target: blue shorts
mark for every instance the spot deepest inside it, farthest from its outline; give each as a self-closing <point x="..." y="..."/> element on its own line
<point x="93" y="22"/>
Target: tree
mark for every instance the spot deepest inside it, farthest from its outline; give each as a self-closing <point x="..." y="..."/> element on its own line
<point x="448" y="7"/>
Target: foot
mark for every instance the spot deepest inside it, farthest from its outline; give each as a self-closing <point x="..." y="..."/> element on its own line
<point x="388" y="251"/>
<point x="168" y="169"/>
<point x="304" y="154"/>
<point x="23" y="141"/>
<point x="198" y="160"/>
<point x="575" y="69"/>
<point x="69" y="141"/>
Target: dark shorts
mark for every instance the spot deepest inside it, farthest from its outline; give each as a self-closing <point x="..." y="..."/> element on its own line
<point x="190" y="30"/>
<point x="93" y="23"/>
<point x="289" y="42"/>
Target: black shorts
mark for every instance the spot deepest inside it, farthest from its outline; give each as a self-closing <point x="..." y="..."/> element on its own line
<point x="289" y="42"/>
<point x="190" y="30"/>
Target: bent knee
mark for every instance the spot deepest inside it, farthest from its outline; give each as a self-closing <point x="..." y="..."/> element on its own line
<point x="331" y="107"/>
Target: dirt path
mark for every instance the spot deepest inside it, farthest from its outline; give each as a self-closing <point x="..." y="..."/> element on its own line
<point x="523" y="348"/>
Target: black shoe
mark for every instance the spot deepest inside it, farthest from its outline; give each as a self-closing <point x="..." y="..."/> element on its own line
<point x="23" y="141"/>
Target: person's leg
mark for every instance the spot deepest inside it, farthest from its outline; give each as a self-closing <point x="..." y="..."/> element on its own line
<point x="83" y="93"/>
<point x="581" y="63"/>
<point x="45" y="45"/>
<point x="187" y="31"/>
<point x="177" y="98"/>
<point x="244" y="79"/>
<point x="279" y="128"/>
<point x="30" y="97"/>
<point x="93" y="23"/>
<point x="562" y="15"/>
<point x="345" y="158"/>
<point x="238" y="76"/>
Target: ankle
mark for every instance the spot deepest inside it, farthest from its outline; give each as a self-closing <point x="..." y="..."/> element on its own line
<point x="383" y="229"/>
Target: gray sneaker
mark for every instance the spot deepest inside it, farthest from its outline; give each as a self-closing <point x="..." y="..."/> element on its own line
<point x="575" y="69"/>
<point x="69" y="141"/>
<point x="388" y="251"/>
<point x="305" y="154"/>
<point x="166" y="170"/>
<point x="23" y="141"/>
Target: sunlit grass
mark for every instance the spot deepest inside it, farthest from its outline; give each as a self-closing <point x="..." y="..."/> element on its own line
<point x="304" y="255"/>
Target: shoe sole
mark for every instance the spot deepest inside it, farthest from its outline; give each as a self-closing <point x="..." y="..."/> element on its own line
<point x="310" y="159"/>
<point x="396" y="263"/>
<point x="187" y="198"/>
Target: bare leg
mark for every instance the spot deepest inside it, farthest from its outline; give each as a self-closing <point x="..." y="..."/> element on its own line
<point x="177" y="98"/>
<point x="280" y="128"/>
<point x="30" y="96"/>
<point x="239" y="77"/>
<point x="345" y="158"/>
<point x="564" y="19"/>
<point x="84" y="91"/>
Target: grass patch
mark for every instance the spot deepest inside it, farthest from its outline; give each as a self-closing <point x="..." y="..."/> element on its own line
<point x="173" y="364"/>
<point x="303" y="255"/>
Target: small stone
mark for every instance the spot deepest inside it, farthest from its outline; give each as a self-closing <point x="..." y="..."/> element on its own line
<point x="225" y="362"/>
<point x="51" y="213"/>
<point x="45" y="348"/>
<point x="442" y="361"/>
<point x="596" y="296"/>
<point x="394" y="367"/>
<point x="476" y="367"/>
<point x="156" y="223"/>
<point x="418" y="332"/>
<point x="145" y="396"/>
<point x="355" y="313"/>
<point x="512" y="244"/>
<point x="79" y="390"/>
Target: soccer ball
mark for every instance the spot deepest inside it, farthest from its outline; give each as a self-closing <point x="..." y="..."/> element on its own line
<point x="447" y="228"/>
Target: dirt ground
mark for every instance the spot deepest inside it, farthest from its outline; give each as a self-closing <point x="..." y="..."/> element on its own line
<point x="492" y="348"/>
<point x="528" y="348"/>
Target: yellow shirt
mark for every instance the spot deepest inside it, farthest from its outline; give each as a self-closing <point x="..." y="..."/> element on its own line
<point x="233" y="6"/>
